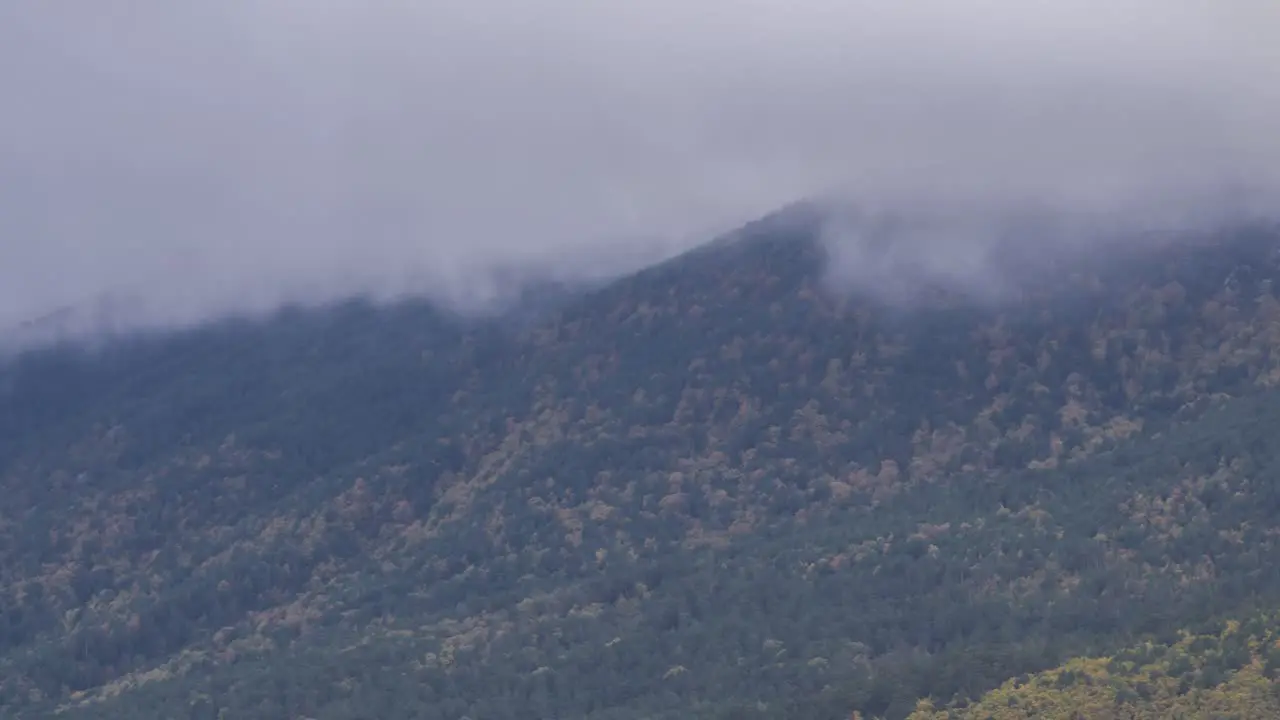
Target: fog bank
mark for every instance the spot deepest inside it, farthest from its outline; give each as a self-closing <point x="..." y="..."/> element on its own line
<point x="192" y="159"/>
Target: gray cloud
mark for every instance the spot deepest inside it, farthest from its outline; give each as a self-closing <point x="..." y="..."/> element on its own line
<point x="210" y="157"/>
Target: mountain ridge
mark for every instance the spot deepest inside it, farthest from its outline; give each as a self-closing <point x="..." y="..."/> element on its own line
<point x="712" y="458"/>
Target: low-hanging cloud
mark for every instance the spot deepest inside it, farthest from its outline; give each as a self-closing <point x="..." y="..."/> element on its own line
<point x="204" y="158"/>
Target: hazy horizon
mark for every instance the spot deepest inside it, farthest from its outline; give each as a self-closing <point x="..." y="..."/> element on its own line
<point x="227" y="157"/>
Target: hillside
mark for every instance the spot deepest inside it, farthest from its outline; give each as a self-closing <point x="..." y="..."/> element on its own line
<point x="1234" y="672"/>
<point x="710" y="489"/>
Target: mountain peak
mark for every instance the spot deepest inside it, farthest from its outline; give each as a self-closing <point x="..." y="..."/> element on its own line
<point x="663" y="493"/>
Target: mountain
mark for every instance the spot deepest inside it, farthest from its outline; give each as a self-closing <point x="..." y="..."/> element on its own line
<point x="721" y="487"/>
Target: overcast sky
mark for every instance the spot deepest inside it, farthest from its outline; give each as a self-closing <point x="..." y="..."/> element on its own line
<point x="210" y="156"/>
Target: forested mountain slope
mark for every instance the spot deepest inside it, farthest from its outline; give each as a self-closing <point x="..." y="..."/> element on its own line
<point x="710" y="489"/>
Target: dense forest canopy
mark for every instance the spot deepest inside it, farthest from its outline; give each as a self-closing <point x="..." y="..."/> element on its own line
<point x="714" y="488"/>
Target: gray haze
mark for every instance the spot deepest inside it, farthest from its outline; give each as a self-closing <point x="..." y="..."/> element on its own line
<point x="207" y="157"/>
